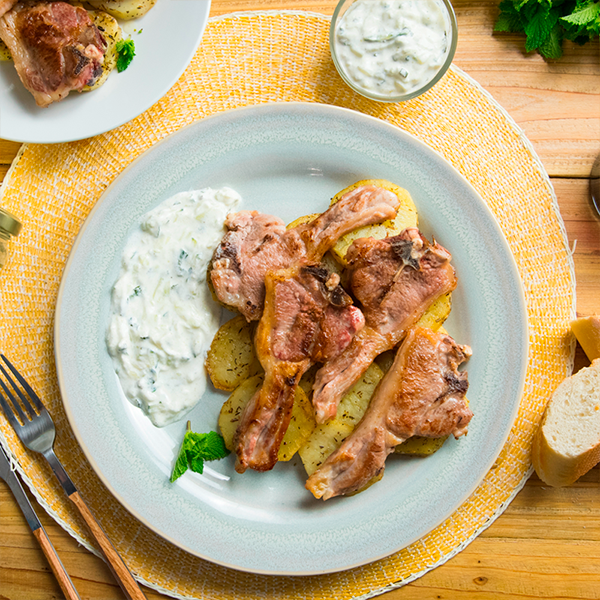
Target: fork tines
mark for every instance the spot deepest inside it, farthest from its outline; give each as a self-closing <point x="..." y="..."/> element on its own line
<point x="26" y="400"/>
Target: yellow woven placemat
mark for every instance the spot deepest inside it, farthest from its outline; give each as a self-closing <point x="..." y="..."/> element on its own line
<point x="252" y="58"/>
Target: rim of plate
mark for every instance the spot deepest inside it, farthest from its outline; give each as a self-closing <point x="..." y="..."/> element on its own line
<point x="36" y="134"/>
<point x="283" y="107"/>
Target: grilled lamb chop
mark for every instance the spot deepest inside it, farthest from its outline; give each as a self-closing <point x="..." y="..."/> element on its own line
<point x="256" y="244"/>
<point x="395" y="280"/>
<point x="55" y="47"/>
<point x="6" y="5"/>
<point x="422" y="394"/>
<point x="307" y="317"/>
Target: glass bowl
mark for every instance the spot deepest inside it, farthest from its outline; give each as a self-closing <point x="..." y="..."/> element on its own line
<point x="374" y="48"/>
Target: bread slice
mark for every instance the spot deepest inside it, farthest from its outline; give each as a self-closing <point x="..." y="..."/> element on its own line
<point x="587" y="332"/>
<point x="567" y="444"/>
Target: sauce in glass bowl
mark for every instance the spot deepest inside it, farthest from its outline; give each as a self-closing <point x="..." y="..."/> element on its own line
<point x="393" y="50"/>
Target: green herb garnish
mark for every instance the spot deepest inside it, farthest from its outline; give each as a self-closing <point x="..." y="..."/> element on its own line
<point x="125" y="54"/>
<point x="546" y="23"/>
<point x="195" y="449"/>
<point x="387" y="37"/>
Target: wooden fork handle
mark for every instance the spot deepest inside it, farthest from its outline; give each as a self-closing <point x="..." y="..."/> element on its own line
<point x="128" y="584"/>
<point x="66" y="585"/>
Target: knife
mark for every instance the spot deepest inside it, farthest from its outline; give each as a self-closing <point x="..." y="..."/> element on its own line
<point x="7" y="473"/>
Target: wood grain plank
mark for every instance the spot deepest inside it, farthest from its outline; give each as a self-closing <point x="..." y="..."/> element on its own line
<point x="582" y="223"/>
<point x="24" y="572"/>
<point x="8" y="150"/>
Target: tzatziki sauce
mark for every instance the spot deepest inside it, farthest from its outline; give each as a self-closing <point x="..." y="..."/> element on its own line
<point x="163" y="317"/>
<point x="392" y="47"/>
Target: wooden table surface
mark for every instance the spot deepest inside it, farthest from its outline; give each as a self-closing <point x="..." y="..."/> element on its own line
<point x="547" y="542"/>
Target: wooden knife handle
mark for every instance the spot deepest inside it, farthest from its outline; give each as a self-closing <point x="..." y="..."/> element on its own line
<point x="128" y="584"/>
<point x="66" y="585"/>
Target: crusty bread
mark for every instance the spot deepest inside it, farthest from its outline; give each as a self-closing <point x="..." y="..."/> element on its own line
<point x="587" y="332"/>
<point x="567" y="444"/>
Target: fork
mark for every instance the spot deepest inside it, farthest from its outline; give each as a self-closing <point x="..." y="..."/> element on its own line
<point x="35" y="428"/>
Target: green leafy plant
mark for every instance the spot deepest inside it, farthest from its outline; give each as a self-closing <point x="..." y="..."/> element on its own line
<point x="546" y="23"/>
<point x="125" y="54"/>
<point x="197" y="448"/>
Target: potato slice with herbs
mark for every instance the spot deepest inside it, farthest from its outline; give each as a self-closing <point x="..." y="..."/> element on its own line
<point x="231" y="410"/>
<point x="301" y="425"/>
<point x="231" y="358"/>
<point x="420" y="446"/>
<point x="4" y="52"/>
<point x="124" y="9"/>
<point x="111" y="31"/>
<point x="329" y="436"/>
<point x="437" y="313"/>
<point x="302" y="220"/>
<point x="405" y="217"/>
<point x="324" y="440"/>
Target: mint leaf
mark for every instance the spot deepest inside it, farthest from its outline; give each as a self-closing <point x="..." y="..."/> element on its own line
<point x="181" y="466"/>
<point x="552" y="47"/>
<point x="197" y="448"/>
<point x="587" y="14"/>
<point x="509" y="18"/>
<point x="196" y="464"/>
<point x="547" y="22"/>
<point x="539" y="27"/>
<point x="213" y="447"/>
<point x="125" y="53"/>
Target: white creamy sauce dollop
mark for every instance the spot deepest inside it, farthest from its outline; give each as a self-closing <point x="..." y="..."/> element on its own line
<point x="392" y="47"/>
<point x="163" y="317"/>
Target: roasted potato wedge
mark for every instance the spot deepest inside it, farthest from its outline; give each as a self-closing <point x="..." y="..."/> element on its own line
<point x="231" y="358"/>
<point x="420" y="446"/>
<point x="301" y="424"/>
<point x="302" y="220"/>
<point x="405" y="217"/>
<point x="437" y="313"/>
<point x="232" y="408"/>
<point x="123" y="9"/>
<point x="4" y="52"/>
<point x="329" y="436"/>
<point x="111" y="31"/>
<point x="324" y="440"/>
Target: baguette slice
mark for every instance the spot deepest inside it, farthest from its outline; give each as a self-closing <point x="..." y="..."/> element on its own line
<point x="587" y="332"/>
<point x="567" y="444"/>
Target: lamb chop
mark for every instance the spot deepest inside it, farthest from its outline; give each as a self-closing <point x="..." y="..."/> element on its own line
<point x="422" y="394"/>
<point x="307" y="317"/>
<point x="395" y="279"/>
<point x="256" y="244"/>
<point x="6" y="5"/>
<point x="55" y="46"/>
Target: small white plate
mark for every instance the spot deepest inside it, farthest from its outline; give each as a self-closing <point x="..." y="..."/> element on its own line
<point x="170" y="34"/>
<point x="289" y="160"/>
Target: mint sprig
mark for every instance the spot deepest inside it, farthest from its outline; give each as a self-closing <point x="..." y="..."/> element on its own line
<point x="197" y="448"/>
<point x="125" y="53"/>
<point x="546" y="23"/>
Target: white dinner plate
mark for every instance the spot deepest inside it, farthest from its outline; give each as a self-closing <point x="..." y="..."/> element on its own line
<point x="289" y="160"/>
<point x="165" y="39"/>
